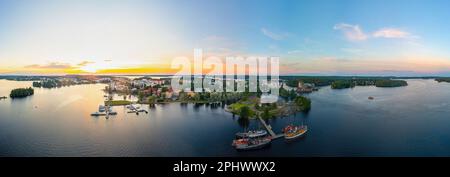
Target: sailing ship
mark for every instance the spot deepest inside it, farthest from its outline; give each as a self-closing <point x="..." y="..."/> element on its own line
<point x="292" y="132"/>
<point x="251" y="143"/>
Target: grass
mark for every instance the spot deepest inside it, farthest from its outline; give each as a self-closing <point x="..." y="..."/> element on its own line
<point x="236" y="109"/>
<point x="117" y="102"/>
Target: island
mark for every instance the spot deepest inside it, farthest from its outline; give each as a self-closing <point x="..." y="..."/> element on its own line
<point x="21" y="92"/>
<point x="391" y="83"/>
<point x="343" y="82"/>
<point x="444" y="79"/>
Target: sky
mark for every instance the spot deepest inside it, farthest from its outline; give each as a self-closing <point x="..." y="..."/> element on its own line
<point x="317" y="37"/>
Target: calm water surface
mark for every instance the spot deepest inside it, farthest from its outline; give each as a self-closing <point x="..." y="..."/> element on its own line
<point x="404" y="121"/>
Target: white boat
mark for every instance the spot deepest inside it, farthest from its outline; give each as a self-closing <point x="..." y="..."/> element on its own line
<point x="133" y="107"/>
<point x="101" y="108"/>
<point x="96" y="114"/>
<point x="252" y="134"/>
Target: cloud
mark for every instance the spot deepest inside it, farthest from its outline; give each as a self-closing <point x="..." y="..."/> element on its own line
<point x="274" y="36"/>
<point x="53" y="65"/>
<point x="221" y="46"/>
<point x="392" y="33"/>
<point x="355" y="33"/>
<point x="351" y="32"/>
<point x="84" y="63"/>
<point x="294" y="51"/>
<point x="353" y="50"/>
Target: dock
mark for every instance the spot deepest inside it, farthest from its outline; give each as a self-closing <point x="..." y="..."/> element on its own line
<point x="135" y="110"/>
<point x="269" y="129"/>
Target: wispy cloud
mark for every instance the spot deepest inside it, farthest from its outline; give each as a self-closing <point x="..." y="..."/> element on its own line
<point x="273" y="35"/>
<point x="353" y="50"/>
<point x="351" y="32"/>
<point x="220" y="45"/>
<point x="52" y="65"/>
<point x="294" y="51"/>
<point x="392" y="33"/>
<point x="355" y="33"/>
<point x="84" y="63"/>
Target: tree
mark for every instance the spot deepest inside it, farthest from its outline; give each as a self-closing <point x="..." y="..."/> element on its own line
<point x="303" y="103"/>
<point x="151" y="100"/>
<point x="244" y="112"/>
<point x="21" y="92"/>
<point x="266" y="114"/>
<point x="141" y="96"/>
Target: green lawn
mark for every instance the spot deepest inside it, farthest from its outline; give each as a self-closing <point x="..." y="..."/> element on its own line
<point x="117" y="102"/>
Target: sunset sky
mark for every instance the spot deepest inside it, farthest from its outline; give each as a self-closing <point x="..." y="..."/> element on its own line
<point x="329" y="37"/>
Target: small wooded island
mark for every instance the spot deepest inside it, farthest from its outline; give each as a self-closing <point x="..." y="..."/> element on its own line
<point x="342" y="82"/>
<point x="21" y="92"/>
<point x="443" y="79"/>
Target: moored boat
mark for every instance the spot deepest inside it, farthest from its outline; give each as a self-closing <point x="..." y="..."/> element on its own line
<point x="251" y="143"/>
<point x="96" y="114"/>
<point x="252" y="134"/>
<point x="101" y="108"/>
<point x="292" y="132"/>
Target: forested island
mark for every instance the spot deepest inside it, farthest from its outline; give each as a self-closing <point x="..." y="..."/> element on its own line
<point x="342" y="82"/>
<point x="391" y="83"/>
<point x="21" y="92"/>
<point x="447" y="79"/>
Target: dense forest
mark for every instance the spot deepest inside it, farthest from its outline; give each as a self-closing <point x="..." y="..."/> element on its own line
<point x="444" y="79"/>
<point x="341" y="82"/>
<point x="46" y="83"/>
<point x="21" y="92"/>
<point x="391" y="83"/>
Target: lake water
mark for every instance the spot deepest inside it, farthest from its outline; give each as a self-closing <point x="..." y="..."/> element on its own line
<point x="403" y="121"/>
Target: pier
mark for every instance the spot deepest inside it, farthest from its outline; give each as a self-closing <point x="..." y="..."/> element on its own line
<point x="135" y="110"/>
<point x="269" y="129"/>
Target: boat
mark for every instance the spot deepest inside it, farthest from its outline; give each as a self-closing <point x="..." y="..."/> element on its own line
<point x="251" y="143"/>
<point x="371" y="98"/>
<point x="292" y="132"/>
<point x="252" y="134"/>
<point x="133" y="107"/>
<point x="101" y="108"/>
<point x="96" y="114"/>
<point x="112" y="113"/>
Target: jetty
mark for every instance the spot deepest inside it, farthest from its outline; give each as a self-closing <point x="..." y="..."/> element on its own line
<point x="269" y="129"/>
<point x="136" y="110"/>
